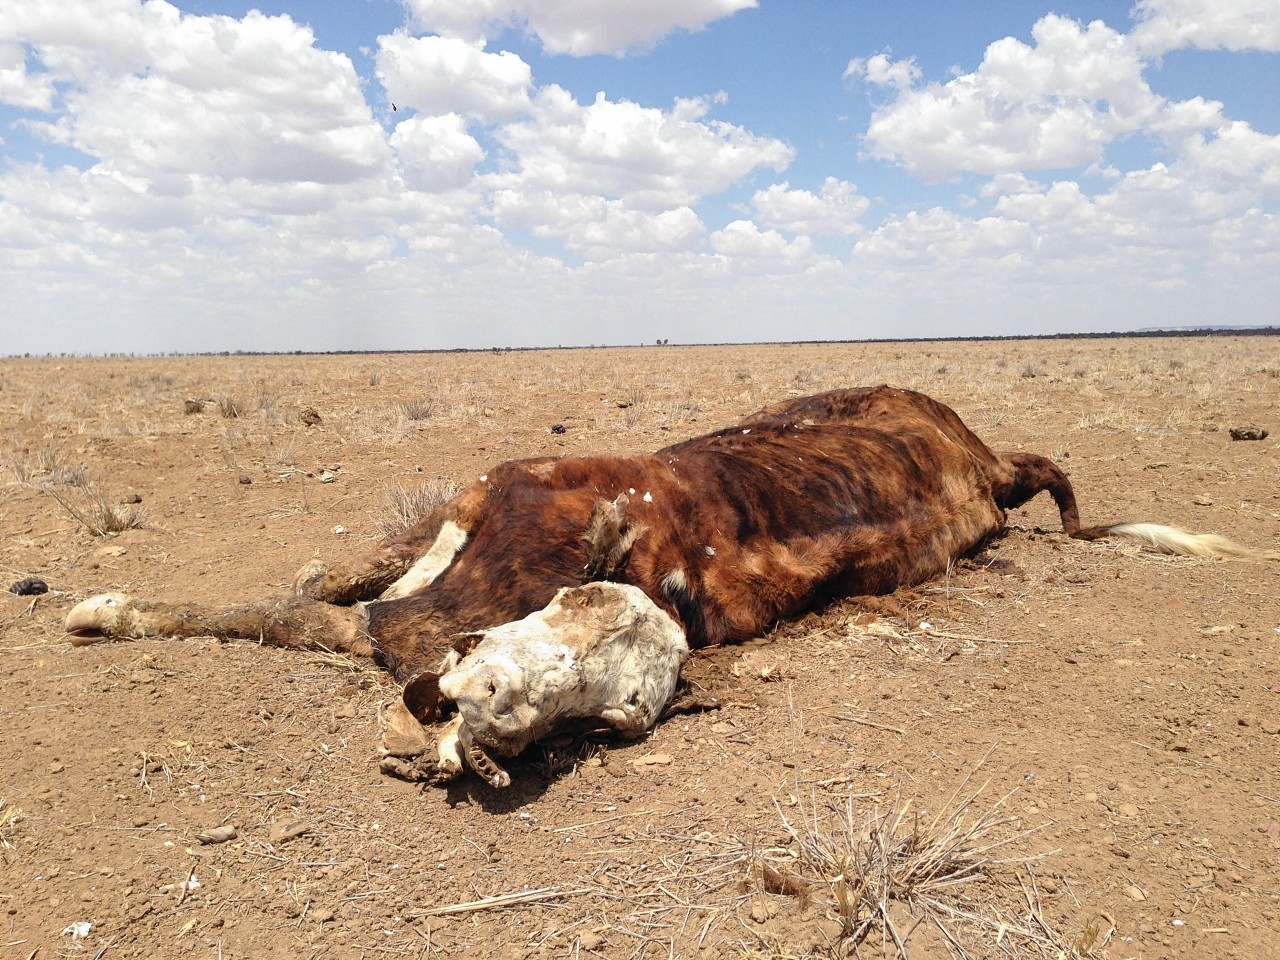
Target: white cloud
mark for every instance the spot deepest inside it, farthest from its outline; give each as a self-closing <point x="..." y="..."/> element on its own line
<point x="834" y="210"/>
<point x="656" y="159"/>
<point x="1054" y="104"/>
<point x="436" y="153"/>
<point x="576" y="27"/>
<point x="438" y="75"/>
<point x="743" y="240"/>
<point x="167" y="94"/>
<point x="1165" y="25"/>
<point x="20" y="88"/>
<point x="595" y="228"/>
<point x="882" y="70"/>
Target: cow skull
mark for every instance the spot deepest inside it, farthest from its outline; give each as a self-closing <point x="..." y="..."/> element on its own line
<point x="601" y="650"/>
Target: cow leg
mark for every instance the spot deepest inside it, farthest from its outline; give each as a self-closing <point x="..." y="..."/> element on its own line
<point x="400" y="565"/>
<point x="293" y="622"/>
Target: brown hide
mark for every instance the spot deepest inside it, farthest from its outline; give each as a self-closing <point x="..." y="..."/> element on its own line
<point x="844" y="493"/>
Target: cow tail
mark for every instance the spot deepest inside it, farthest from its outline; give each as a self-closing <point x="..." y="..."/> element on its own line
<point x="1171" y="540"/>
<point x="1033" y="473"/>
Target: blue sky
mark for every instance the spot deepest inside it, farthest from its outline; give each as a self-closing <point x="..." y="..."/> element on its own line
<point x="226" y="176"/>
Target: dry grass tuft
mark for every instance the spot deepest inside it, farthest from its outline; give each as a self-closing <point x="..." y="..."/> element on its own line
<point x="10" y="817"/>
<point x="32" y="465"/>
<point x="95" y="511"/>
<point x="230" y="408"/>
<point x="902" y="873"/>
<point x="418" y="408"/>
<point x="406" y="506"/>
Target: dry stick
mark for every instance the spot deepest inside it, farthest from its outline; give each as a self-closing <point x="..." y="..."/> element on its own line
<point x="866" y="723"/>
<point x="501" y="900"/>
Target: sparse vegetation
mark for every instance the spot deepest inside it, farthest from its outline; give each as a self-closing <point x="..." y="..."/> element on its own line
<point x="10" y="817"/>
<point x="418" y="408"/>
<point x="897" y="870"/>
<point x="95" y="511"/>
<point x="407" y="505"/>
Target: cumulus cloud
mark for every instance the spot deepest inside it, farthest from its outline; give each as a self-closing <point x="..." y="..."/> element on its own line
<point x="436" y="153"/>
<point x="835" y="209"/>
<point x="19" y="88"/>
<point x="743" y="240"/>
<point x="657" y="159"/>
<point x="597" y="229"/>
<point x="438" y="75"/>
<point x="578" y="28"/>
<point x="1165" y="25"/>
<point x="170" y="94"/>
<point x="883" y="71"/>
<point x="1053" y="104"/>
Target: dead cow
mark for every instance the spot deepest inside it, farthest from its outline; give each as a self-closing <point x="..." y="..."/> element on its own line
<point x="574" y="587"/>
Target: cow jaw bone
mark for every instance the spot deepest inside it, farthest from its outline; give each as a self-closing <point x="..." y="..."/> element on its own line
<point x="601" y="650"/>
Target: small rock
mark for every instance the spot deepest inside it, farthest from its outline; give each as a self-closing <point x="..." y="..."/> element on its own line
<point x="220" y="834"/>
<point x="762" y="910"/>
<point x="1178" y="745"/>
<point x="1202" y="501"/>
<point x="999" y="685"/>
<point x="651" y="760"/>
<point x="285" y="830"/>
<point x="57" y="766"/>
<point x="131" y="498"/>
<point x="340" y="530"/>
<point x="1271" y="727"/>
<point x="246" y="480"/>
<point x="1134" y="892"/>
<point x="1128" y="810"/>
<point x="557" y="428"/>
<point x="1248" y="433"/>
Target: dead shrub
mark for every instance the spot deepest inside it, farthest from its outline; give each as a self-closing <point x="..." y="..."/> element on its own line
<point x="95" y="511"/>
<point x="419" y="408"/>
<point x="895" y="870"/>
<point x="406" y="506"/>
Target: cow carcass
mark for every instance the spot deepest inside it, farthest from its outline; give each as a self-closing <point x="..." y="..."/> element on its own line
<point x="555" y="588"/>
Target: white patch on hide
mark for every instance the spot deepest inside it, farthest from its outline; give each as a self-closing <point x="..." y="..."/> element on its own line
<point x="451" y="539"/>
<point x="675" y="582"/>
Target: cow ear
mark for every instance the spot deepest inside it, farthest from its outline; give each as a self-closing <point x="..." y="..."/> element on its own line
<point x="422" y="697"/>
<point x="608" y="539"/>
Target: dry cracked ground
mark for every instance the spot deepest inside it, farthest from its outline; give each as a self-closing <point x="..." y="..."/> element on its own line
<point x="1061" y="749"/>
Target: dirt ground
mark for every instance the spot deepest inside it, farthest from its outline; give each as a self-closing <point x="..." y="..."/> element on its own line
<point x="1096" y="727"/>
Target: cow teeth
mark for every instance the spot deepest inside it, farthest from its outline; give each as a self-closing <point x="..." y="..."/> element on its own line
<point x="480" y="761"/>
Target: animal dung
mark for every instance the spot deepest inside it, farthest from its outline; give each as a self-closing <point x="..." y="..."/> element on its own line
<point x="29" y="587"/>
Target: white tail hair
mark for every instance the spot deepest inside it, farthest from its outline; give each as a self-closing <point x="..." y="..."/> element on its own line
<point x="1180" y="543"/>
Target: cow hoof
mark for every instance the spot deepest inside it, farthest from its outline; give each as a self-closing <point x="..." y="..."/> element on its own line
<point x="95" y="619"/>
<point x="307" y="580"/>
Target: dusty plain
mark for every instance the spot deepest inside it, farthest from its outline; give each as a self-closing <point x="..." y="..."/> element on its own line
<point x="1095" y="726"/>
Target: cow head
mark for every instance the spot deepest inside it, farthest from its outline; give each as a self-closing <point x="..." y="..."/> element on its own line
<point x="601" y="650"/>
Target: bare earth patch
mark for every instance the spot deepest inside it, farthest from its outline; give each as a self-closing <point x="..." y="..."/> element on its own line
<point x="1061" y="749"/>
